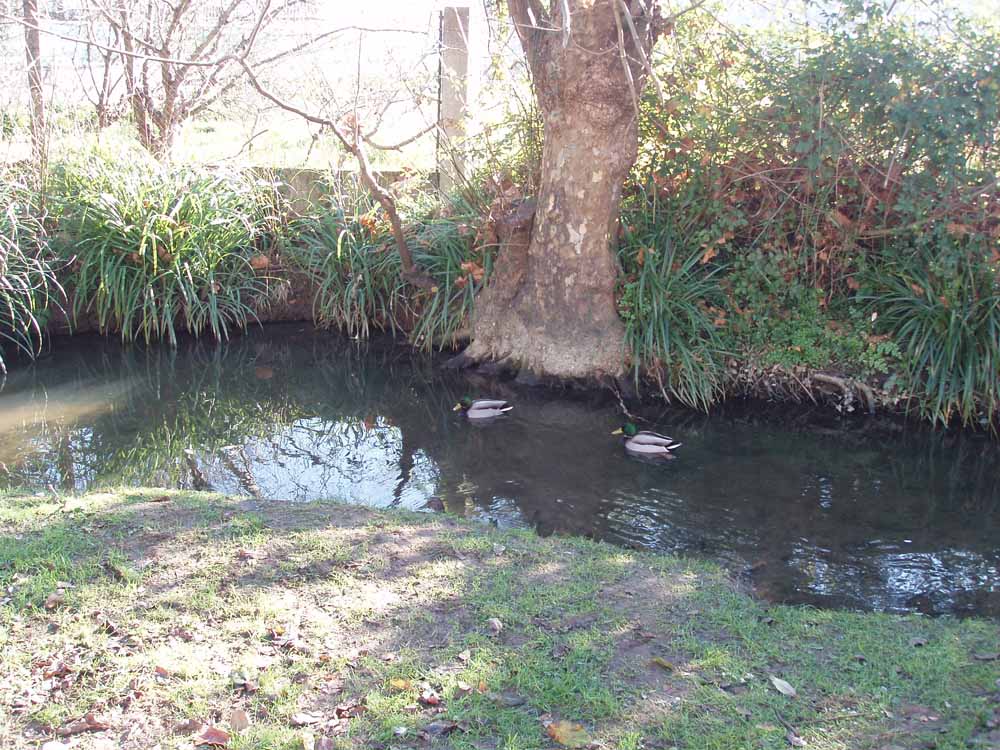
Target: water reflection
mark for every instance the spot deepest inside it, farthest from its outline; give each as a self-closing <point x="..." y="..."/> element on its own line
<point x="831" y="517"/>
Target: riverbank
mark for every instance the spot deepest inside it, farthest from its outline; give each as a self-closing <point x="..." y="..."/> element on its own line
<point x="150" y="617"/>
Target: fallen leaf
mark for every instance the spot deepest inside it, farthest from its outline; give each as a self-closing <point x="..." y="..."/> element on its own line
<point x="568" y="734"/>
<point x="507" y="699"/>
<point x="303" y="719"/>
<point x="238" y="720"/>
<point x="397" y="683"/>
<point x="783" y="687"/>
<point x="260" y="262"/>
<point x="429" y="698"/>
<point x="794" y="740"/>
<point x="88" y="723"/>
<point x="54" y="599"/>
<point x="464" y="656"/>
<point x="187" y="726"/>
<point x="161" y="499"/>
<point x="350" y="710"/>
<point x="662" y="663"/>
<point x="473" y="269"/>
<point x="213" y="736"/>
<point x="462" y="689"/>
<point x="841" y="219"/>
<point x="440" y="728"/>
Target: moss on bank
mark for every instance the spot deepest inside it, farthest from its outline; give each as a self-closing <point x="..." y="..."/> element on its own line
<point x="163" y="616"/>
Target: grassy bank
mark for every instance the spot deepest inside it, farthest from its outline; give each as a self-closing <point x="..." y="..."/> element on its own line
<point x="148" y="618"/>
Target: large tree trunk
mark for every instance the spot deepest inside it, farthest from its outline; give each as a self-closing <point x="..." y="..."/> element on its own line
<point x="33" y="54"/>
<point x="550" y="309"/>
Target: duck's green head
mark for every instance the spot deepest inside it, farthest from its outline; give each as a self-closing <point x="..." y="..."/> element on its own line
<point x="628" y="430"/>
<point x="464" y="403"/>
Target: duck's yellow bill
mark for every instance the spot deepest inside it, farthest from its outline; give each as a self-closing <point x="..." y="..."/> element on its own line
<point x="619" y="431"/>
<point x="457" y="407"/>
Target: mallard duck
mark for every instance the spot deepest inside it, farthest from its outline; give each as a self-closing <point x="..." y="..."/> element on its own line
<point x="482" y="408"/>
<point x="646" y="444"/>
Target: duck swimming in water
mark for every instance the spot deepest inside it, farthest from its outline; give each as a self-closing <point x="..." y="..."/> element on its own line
<point x="646" y="444"/>
<point x="482" y="408"/>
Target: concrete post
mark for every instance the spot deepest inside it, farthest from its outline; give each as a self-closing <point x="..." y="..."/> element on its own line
<point x="452" y="93"/>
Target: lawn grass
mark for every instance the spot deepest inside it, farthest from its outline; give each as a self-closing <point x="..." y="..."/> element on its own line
<point x="159" y="614"/>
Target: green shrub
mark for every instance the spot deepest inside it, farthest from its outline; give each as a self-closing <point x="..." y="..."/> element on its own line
<point x="801" y="161"/>
<point x="27" y="281"/>
<point x="156" y="250"/>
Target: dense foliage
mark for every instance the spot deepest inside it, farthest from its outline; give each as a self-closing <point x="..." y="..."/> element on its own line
<point x="839" y="192"/>
<point x="349" y="253"/>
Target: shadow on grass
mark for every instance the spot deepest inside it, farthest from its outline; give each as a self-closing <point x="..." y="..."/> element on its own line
<point x="398" y="629"/>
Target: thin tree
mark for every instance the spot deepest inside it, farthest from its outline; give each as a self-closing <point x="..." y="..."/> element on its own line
<point x="178" y="59"/>
<point x="33" y="54"/>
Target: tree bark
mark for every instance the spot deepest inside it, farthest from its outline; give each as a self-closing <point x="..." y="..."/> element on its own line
<point x="33" y="54"/>
<point x="551" y="310"/>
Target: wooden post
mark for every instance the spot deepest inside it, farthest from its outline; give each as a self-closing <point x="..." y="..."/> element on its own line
<point x="453" y="90"/>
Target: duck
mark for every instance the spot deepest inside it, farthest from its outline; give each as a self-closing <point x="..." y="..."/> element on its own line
<point x="646" y="444"/>
<point x="482" y="408"/>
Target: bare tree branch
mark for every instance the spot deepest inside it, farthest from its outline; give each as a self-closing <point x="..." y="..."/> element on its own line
<point x="352" y="141"/>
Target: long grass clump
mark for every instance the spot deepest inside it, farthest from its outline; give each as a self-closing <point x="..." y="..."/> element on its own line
<point x="351" y="257"/>
<point x="27" y="280"/>
<point x="944" y="313"/>
<point x="155" y="250"/>
<point x="670" y="303"/>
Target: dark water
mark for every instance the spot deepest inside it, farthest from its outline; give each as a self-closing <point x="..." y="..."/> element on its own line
<point x="837" y="515"/>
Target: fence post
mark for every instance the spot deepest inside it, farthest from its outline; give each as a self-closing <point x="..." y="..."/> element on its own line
<point x="453" y="86"/>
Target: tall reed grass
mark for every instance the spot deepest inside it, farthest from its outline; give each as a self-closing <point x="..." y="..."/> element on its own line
<point x="349" y="253"/>
<point x="670" y="302"/>
<point x="155" y="251"/>
<point x="28" y="286"/>
<point x="944" y="313"/>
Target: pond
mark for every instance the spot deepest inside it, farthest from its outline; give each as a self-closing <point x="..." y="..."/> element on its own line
<point x="804" y="508"/>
